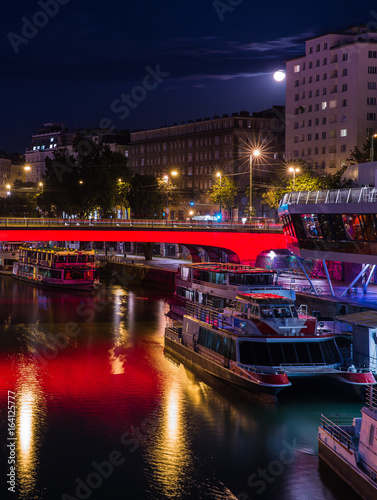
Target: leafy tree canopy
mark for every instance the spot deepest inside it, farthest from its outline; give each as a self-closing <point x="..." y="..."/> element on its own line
<point x="223" y="192"/>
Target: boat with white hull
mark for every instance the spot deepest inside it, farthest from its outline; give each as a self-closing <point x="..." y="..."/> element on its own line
<point x="261" y="344"/>
<point x="217" y="284"/>
<point x="349" y="446"/>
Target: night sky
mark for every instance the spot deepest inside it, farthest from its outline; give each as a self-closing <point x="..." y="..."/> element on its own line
<point x="213" y="57"/>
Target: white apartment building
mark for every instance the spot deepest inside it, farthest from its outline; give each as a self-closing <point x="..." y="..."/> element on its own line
<point x="331" y="98"/>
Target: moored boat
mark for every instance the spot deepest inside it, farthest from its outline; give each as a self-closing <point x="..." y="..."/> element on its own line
<point x="217" y="284"/>
<point x="261" y="343"/>
<point x="60" y="267"/>
<point x="349" y="446"/>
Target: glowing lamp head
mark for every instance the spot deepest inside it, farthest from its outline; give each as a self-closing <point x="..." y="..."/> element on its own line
<point x="256" y="152"/>
<point x="279" y="75"/>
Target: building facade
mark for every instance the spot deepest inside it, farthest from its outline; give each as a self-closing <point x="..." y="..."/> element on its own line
<point x="199" y="149"/>
<point x="55" y="135"/>
<point x="331" y="98"/>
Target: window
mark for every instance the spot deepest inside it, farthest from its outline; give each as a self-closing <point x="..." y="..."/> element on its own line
<point x="345" y="57"/>
<point x="344" y="72"/>
<point x="317" y="63"/>
<point x="344" y="87"/>
<point x="309" y="123"/>
<point x="372" y="54"/>
<point x="324" y="76"/>
<point x="324" y="120"/>
<point x="316" y="137"/>
<point x="310" y="64"/>
<point x="315" y="151"/>
<point x="318" y="48"/>
<point x="310" y="79"/>
<point x="317" y="92"/>
<point x="332" y="149"/>
<point x="295" y="153"/>
<point x="310" y="108"/>
<point x="372" y="70"/>
<point x="323" y="135"/>
<point x="316" y="107"/>
<point x="332" y="104"/>
<point x="324" y="91"/>
<point x="371" y="116"/>
<point x="324" y="105"/>
<point x="310" y="93"/>
<point x="323" y="150"/>
<point x="295" y="125"/>
<point x="309" y="151"/>
<point x="295" y="140"/>
<point x="310" y="50"/>
<point x="316" y="121"/>
<point x="325" y="46"/>
<point x="309" y="137"/>
<point x="343" y="148"/>
<point x="372" y="85"/>
<point x="296" y="97"/>
<point x="296" y="68"/>
<point x="317" y="78"/>
<point x="371" y="100"/>
<point x="343" y="132"/>
<point x="344" y="103"/>
<point x="324" y="62"/>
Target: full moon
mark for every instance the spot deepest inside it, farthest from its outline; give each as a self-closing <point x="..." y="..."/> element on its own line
<point x="279" y="75"/>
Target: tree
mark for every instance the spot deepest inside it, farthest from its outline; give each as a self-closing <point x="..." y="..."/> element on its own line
<point x="223" y="193"/>
<point x="358" y="156"/>
<point x="146" y="198"/>
<point x="80" y="183"/>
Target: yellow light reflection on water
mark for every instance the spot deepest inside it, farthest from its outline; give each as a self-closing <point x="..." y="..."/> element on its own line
<point x="170" y="450"/>
<point x="30" y="412"/>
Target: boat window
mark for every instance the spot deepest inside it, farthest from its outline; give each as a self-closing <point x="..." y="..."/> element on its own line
<point x="371" y="434"/>
<point x="91" y="258"/>
<point x="256" y="311"/>
<point x="289" y="353"/>
<point x="302" y="352"/>
<point x="330" y="352"/>
<point x="254" y="353"/>
<point x="282" y="312"/>
<point x="81" y="258"/>
<point x="266" y="312"/>
<point x="72" y="258"/>
<point x="251" y="279"/>
<point x="312" y="227"/>
<point x="294" y="312"/>
<point x="61" y="258"/>
<point x="277" y="355"/>
<point x="315" y="352"/>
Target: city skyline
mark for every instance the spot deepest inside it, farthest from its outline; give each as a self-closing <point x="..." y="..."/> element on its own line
<point x="143" y="66"/>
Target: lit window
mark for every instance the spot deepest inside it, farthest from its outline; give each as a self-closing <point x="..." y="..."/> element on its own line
<point x="296" y="68"/>
<point x="324" y="105"/>
<point x="52" y="139"/>
<point x="332" y="104"/>
<point x="343" y="132"/>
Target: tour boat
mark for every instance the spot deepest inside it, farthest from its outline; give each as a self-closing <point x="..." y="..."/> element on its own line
<point x="60" y="267"/>
<point x="349" y="447"/>
<point x="217" y="284"/>
<point x="9" y="251"/>
<point x="260" y="343"/>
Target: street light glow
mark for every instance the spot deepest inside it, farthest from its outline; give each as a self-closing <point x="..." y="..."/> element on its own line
<point x="27" y="167"/>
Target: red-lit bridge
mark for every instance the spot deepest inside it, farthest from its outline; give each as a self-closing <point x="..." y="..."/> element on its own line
<point x="241" y="242"/>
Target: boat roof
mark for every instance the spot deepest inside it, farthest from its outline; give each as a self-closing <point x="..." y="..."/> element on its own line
<point x="66" y="251"/>
<point x="228" y="268"/>
<point x="265" y="298"/>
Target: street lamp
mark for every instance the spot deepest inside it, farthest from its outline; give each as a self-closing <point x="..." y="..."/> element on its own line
<point x="174" y="173"/>
<point x="372" y="147"/>
<point x="255" y="153"/>
<point x="219" y="175"/>
<point x="294" y="171"/>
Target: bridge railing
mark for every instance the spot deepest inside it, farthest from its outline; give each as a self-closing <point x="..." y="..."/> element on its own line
<point x="260" y="224"/>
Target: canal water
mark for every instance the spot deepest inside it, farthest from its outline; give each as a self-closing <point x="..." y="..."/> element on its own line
<point x="101" y="413"/>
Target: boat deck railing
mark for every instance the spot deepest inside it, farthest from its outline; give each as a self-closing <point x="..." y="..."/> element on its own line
<point x="371" y="398"/>
<point x="351" y="195"/>
<point x="335" y="424"/>
<point x="261" y="371"/>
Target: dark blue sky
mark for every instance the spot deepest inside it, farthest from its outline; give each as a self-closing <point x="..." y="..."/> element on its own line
<point x="82" y="59"/>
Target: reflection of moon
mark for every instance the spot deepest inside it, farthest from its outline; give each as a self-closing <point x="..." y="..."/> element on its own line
<point x="279" y="75"/>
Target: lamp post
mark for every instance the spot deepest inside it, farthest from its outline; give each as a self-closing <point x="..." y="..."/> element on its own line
<point x="166" y="179"/>
<point x="219" y="175"/>
<point x="294" y="170"/>
<point x="372" y="147"/>
<point x="8" y="186"/>
<point x="255" y="153"/>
